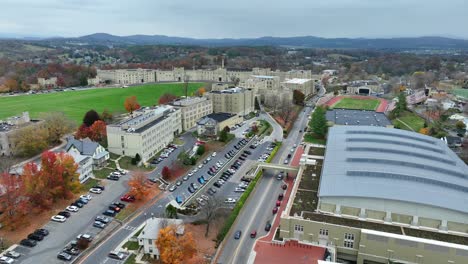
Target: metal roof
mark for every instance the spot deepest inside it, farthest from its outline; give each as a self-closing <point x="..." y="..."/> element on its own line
<point x="392" y="164"/>
<point x="357" y="117"/>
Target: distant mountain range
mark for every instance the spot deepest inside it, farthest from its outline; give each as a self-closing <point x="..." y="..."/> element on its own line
<point x="304" y="41"/>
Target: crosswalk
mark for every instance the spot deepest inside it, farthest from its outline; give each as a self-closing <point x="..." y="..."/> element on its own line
<point x="130" y="228"/>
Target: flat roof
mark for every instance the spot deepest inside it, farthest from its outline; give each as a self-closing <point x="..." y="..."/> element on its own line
<point x="298" y="81"/>
<point x="188" y="101"/>
<point x="357" y="117"/>
<point x="391" y="164"/>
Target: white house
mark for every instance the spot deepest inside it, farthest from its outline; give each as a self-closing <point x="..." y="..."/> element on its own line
<point x="89" y="148"/>
<point x="85" y="164"/>
<point x="147" y="238"/>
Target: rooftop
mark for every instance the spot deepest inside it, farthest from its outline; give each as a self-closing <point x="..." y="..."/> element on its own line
<point x="263" y="76"/>
<point x="297" y="81"/>
<point x="395" y="165"/>
<point x="188" y="101"/>
<point x="230" y="90"/>
<point x="153" y="225"/>
<point x="218" y="117"/>
<point x="357" y="118"/>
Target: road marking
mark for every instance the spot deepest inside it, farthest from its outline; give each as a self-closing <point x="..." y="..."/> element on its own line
<point x="131" y="228"/>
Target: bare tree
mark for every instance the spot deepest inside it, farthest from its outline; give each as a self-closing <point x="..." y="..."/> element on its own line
<point x="209" y="212"/>
<point x="285" y="110"/>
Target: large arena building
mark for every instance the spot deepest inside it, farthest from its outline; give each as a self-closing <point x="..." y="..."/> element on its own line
<point x="382" y="195"/>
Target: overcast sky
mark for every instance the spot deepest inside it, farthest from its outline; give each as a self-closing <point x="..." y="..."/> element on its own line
<point x="236" y="18"/>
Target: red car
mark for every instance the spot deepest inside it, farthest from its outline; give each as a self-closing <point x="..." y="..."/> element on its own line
<point x="253" y="234"/>
<point x="278" y="203"/>
<point x="284" y="187"/>
<point x="280" y="197"/>
<point x="127" y="198"/>
<point x="275" y="210"/>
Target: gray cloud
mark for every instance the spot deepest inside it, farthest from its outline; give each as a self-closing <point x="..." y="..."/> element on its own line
<point x="240" y="18"/>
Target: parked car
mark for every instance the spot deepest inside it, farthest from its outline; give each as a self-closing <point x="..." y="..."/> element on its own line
<point x="71" y="250"/>
<point x="284" y="187"/>
<point x="102" y="219"/>
<point x="128" y="198"/>
<point x="28" y="243"/>
<point x="179" y="199"/>
<point x="278" y="203"/>
<point x="115" y="208"/>
<point x="110" y="213"/>
<point x="190" y="189"/>
<point x="64" y="213"/>
<point x="6" y="260"/>
<point x="42" y="232"/>
<point x="268" y="226"/>
<point x="86" y="196"/>
<point x="217" y="184"/>
<point x="275" y="210"/>
<point x="99" y="224"/>
<point x="172" y="188"/>
<point x="178" y="183"/>
<point x="72" y="208"/>
<point x="58" y="218"/>
<point x="214" y="154"/>
<point x="286" y="161"/>
<point x="238" y="234"/>
<point x="113" y="178"/>
<point x="239" y="189"/>
<point x="116" y="255"/>
<point x="78" y="204"/>
<point x="64" y="256"/>
<point x="36" y="237"/>
<point x="230" y="201"/>
<point x="194" y="185"/>
<point x="87" y="237"/>
<point x="95" y="190"/>
<point x="280" y="197"/>
<point x="12" y="254"/>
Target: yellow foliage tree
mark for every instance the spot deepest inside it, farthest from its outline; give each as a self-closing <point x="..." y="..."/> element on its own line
<point x="175" y="249"/>
<point x="138" y="186"/>
<point x="424" y="131"/>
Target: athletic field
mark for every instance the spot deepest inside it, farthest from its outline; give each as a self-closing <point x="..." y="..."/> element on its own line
<point x="76" y="103"/>
<point x="357" y="103"/>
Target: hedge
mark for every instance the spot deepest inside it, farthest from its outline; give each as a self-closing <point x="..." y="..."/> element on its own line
<point x="235" y="212"/>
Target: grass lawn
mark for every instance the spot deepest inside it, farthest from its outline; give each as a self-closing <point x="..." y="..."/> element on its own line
<point x="461" y="92"/>
<point x="128" y="210"/>
<point x="89" y="184"/>
<point x="126" y="163"/>
<point x="410" y="119"/>
<point x="102" y="173"/>
<point x="76" y="103"/>
<point x="131" y="259"/>
<point x="352" y="103"/>
<point x="131" y="245"/>
<point x="310" y="138"/>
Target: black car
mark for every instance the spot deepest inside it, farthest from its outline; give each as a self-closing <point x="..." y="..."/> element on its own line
<point x="78" y="204"/>
<point x="190" y="189"/>
<point x="253" y="146"/>
<point x="36" y="237"/>
<point x="114" y="208"/>
<point x="236" y="147"/>
<point x="99" y="187"/>
<point x="238" y="234"/>
<point x="64" y="256"/>
<point x="211" y="173"/>
<point x="216" y="184"/>
<point x="227" y="156"/>
<point x="71" y="250"/>
<point x="247" y="152"/>
<point x="241" y="158"/>
<point x="65" y="213"/>
<point x="113" y="177"/>
<point x="110" y="213"/>
<point x="28" y="243"/>
<point x="121" y="205"/>
<point x="42" y="232"/>
<point x="268" y="226"/>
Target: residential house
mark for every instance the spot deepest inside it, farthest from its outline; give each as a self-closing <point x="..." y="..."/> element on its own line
<point x="85" y="164"/>
<point x="148" y="236"/>
<point x="212" y="124"/>
<point x="89" y="148"/>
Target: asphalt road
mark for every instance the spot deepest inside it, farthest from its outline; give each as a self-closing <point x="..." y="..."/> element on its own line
<point x="258" y="210"/>
<point x="99" y="254"/>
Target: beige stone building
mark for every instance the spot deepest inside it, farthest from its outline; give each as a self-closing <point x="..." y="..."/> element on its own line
<point x="381" y="195"/>
<point x="47" y="82"/>
<point x="192" y="109"/>
<point x="236" y="100"/>
<point x="306" y="86"/>
<point x="8" y="129"/>
<point x="145" y="133"/>
<point x="212" y="124"/>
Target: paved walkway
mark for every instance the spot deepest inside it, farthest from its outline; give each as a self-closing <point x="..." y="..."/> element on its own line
<point x="268" y="251"/>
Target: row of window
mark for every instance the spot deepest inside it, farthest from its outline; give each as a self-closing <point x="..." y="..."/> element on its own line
<point x="348" y="240"/>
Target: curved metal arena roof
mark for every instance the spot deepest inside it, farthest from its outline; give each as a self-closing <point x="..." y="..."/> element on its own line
<point x="392" y="164"/>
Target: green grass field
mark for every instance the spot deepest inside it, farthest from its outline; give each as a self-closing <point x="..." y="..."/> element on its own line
<point x="76" y="103"/>
<point x="409" y="121"/>
<point x="461" y="92"/>
<point x="352" y="103"/>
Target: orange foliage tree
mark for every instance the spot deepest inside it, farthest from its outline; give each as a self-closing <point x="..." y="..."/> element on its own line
<point x="98" y="131"/>
<point x="138" y="186"/>
<point x="424" y="131"/>
<point x="13" y="204"/>
<point x="57" y="179"/>
<point x="200" y="91"/>
<point x="131" y="104"/>
<point x="175" y="249"/>
<point x="166" y="98"/>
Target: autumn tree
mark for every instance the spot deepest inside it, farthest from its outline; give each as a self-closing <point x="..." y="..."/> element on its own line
<point x="11" y="84"/>
<point x="98" y="131"/>
<point x="424" y="131"/>
<point x="107" y="116"/>
<point x="200" y="91"/>
<point x="174" y="248"/>
<point x="90" y="117"/>
<point x="298" y="97"/>
<point x="131" y="104"/>
<point x="30" y="141"/>
<point x="166" y="98"/>
<point x="138" y="186"/>
<point x="13" y="204"/>
<point x="57" y="125"/>
<point x="166" y="173"/>
<point x="83" y="132"/>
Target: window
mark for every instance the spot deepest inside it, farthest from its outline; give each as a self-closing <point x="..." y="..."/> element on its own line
<point x="323" y="232"/>
<point x="348" y="240"/>
<point x="299" y="228"/>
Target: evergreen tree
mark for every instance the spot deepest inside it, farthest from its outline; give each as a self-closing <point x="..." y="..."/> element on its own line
<point x="319" y="122"/>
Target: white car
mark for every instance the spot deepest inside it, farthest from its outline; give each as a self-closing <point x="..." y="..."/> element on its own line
<point x="87" y="197"/>
<point x="6" y="260"/>
<point x="239" y="190"/>
<point x="194" y="170"/>
<point x="72" y="208"/>
<point x="116" y="173"/>
<point x="58" y="218"/>
<point x="95" y="190"/>
<point x="204" y="197"/>
<point x="200" y="166"/>
<point x="214" y="154"/>
<point x="230" y="201"/>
